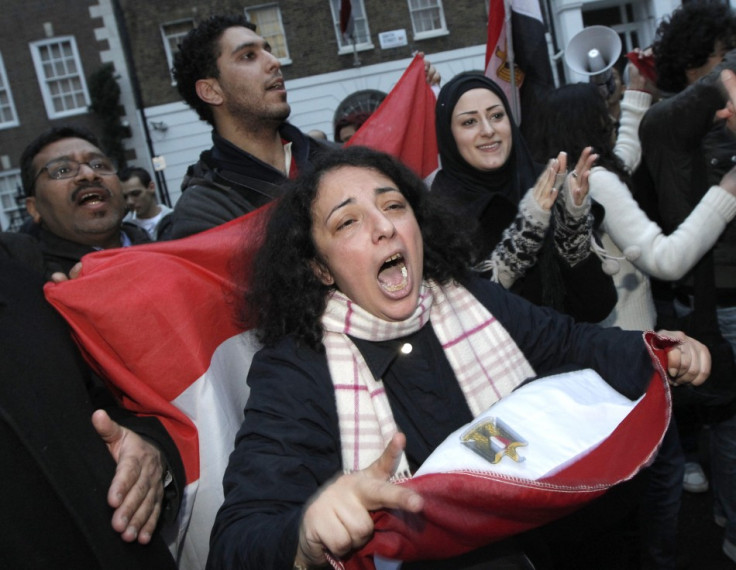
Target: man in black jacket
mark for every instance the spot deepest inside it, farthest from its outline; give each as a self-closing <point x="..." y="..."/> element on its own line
<point x="74" y="197"/>
<point x="686" y="149"/>
<point x="226" y="72"/>
<point x="77" y="489"/>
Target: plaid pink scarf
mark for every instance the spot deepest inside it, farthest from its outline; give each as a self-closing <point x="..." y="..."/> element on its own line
<point x="486" y="361"/>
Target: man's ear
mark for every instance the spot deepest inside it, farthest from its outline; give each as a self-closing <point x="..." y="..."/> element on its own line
<point x="322" y="272"/>
<point x="31" y="209"/>
<point x="209" y="91"/>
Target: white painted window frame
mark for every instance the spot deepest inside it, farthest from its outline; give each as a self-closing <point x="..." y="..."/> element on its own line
<point x="44" y="81"/>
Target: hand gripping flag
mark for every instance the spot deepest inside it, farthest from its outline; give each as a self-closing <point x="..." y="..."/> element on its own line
<point x="403" y="125"/>
<point x="470" y="502"/>
<point x="158" y="321"/>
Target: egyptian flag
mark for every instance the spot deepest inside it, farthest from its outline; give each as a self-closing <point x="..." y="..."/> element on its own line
<point x="542" y="452"/>
<point x="528" y="51"/>
<point x="403" y="125"/>
<point x="158" y="321"/>
<point x="347" y="22"/>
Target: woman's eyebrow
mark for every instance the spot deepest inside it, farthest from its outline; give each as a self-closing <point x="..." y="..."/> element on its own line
<point x="340" y="205"/>
<point x="384" y="189"/>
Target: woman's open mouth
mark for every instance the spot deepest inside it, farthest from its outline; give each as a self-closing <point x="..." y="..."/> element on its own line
<point x="393" y="275"/>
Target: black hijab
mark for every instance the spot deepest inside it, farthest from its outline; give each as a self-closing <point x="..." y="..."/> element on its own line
<point x="470" y="189"/>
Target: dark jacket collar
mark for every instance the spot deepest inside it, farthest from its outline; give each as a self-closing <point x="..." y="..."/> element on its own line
<point x="62" y="254"/>
<point x="225" y="156"/>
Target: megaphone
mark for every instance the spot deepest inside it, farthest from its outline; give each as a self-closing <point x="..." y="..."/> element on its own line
<point x="593" y="52"/>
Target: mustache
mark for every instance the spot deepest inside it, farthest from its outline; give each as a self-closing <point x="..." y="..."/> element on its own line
<point x="84" y="187"/>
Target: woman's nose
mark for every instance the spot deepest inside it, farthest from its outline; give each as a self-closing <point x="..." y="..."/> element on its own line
<point x="486" y="127"/>
<point x="383" y="227"/>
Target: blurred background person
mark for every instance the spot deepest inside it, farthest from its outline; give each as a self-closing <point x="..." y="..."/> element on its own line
<point x="139" y="191"/>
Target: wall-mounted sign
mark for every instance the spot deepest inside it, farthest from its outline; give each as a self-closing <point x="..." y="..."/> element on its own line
<point x="392" y="39"/>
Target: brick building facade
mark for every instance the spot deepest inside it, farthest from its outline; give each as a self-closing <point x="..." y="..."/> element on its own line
<point x="61" y="36"/>
<point x="49" y="49"/>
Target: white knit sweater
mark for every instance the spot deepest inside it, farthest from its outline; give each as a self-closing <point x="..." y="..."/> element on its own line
<point x="629" y="232"/>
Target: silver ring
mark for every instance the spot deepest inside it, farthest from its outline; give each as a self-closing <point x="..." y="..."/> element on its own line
<point x="574" y="174"/>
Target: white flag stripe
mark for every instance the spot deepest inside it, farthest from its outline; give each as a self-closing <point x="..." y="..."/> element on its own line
<point x="215" y="403"/>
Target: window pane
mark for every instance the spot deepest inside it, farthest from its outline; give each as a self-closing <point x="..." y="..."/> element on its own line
<point x="8" y="117"/>
<point x="426" y="15"/>
<point x="173" y="33"/>
<point x="9" y="188"/>
<point x="361" y="31"/>
<point x="268" y="25"/>
<point x="60" y="76"/>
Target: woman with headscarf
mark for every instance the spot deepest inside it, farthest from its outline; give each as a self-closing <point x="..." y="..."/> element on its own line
<point x="486" y="172"/>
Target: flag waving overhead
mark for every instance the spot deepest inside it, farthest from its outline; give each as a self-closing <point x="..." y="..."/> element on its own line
<point x="516" y="40"/>
<point x="403" y="125"/>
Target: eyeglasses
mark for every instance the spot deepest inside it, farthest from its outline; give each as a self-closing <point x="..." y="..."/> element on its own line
<point x="67" y="168"/>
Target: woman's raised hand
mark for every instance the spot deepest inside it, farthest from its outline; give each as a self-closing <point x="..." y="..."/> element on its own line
<point x="728" y="79"/>
<point x="577" y="180"/>
<point x="337" y="519"/>
<point x="547" y="187"/>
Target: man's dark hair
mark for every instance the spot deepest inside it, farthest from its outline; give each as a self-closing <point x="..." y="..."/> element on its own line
<point x="285" y="295"/>
<point x="27" y="172"/>
<point x="135" y="172"/>
<point x="686" y="40"/>
<point x="197" y="58"/>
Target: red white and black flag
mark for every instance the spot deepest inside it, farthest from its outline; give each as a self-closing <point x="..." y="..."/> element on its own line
<point x="347" y="22"/>
<point x="516" y="41"/>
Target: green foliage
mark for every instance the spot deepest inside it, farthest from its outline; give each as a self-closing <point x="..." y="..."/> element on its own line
<point x="104" y="92"/>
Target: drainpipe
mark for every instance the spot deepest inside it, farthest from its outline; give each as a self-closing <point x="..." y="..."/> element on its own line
<point x="163" y="188"/>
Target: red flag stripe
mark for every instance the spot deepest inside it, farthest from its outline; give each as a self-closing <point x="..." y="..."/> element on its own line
<point x="346" y="12"/>
<point x="403" y="125"/>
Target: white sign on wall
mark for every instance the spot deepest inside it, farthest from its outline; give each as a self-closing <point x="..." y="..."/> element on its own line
<point x="392" y="39"/>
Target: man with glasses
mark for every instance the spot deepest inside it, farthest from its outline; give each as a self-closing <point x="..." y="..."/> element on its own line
<point x="75" y="198"/>
<point x="130" y="473"/>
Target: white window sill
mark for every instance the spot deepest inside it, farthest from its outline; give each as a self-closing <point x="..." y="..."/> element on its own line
<point x="358" y="47"/>
<point x="70" y="113"/>
<point x="432" y="34"/>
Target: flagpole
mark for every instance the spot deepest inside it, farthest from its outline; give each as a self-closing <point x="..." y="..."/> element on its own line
<point x="510" y="59"/>
<point x="356" y="59"/>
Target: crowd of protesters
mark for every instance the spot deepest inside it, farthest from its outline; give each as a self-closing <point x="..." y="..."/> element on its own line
<point x="556" y="250"/>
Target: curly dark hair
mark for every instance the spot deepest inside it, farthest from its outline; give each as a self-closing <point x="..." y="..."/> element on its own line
<point x="572" y="118"/>
<point x="27" y="172"/>
<point x="686" y="40"/>
<point x="197" y="58"/>
<point x="286" y="297"/>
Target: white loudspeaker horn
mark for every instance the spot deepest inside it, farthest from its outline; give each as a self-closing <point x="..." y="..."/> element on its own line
<point x="593" y="52"/>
